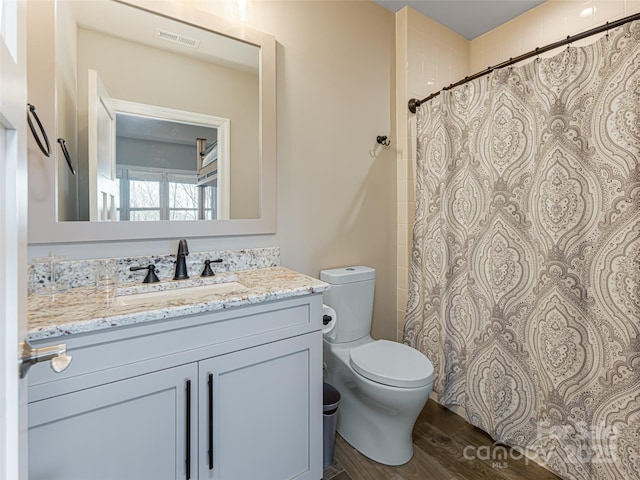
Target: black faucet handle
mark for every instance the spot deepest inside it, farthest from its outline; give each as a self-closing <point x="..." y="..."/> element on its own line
<point x="207" y="272"/>
<point x="151" y="276"/>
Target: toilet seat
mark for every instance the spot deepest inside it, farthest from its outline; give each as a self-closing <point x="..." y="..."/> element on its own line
<point x="392" y="363"/>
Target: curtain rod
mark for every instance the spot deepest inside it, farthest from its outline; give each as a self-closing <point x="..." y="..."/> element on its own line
<point x="414" y="103"/>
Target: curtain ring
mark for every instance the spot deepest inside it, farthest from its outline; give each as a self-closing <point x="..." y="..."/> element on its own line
<point x="32" y="111"/>
<point x="67" y="157"/>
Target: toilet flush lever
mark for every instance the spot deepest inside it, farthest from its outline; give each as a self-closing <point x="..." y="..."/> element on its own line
<point x="56" y="353"/>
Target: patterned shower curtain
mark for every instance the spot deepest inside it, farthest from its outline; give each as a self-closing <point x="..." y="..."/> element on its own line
<point x="525" y="274"/>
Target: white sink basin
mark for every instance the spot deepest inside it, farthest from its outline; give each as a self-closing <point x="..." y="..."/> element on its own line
<point x="179" y="293"/>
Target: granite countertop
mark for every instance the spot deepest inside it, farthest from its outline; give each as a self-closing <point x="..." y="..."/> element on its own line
<point x="83" y="310"/>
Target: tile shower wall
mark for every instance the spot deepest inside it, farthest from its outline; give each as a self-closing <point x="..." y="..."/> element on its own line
<point x="547" y="23"/>
<point x="431" y="57"/>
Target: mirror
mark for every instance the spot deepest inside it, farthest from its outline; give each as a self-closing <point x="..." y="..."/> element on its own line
<point x="169" y="116"/>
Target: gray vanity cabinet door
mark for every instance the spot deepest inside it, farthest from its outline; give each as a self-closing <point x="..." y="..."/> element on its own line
<point x="130" y="429"/>
<point x="262" y="412"/>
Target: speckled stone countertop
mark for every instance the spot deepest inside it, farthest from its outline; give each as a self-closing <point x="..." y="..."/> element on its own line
<point x="83" y="309"/>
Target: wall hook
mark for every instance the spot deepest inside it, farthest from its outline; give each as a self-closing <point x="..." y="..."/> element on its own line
<point x="67" y="157"/>
<point x="382" y="140"/>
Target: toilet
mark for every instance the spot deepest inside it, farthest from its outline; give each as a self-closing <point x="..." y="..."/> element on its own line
<point x="383" y="385"/>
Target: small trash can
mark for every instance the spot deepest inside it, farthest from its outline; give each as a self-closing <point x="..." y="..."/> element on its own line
<point x="330" y="401"/>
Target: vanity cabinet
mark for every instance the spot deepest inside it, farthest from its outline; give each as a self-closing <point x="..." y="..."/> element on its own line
<point x="259" y="401"/>
<point x="230" y="395"/>
<point x="134" y="428"/>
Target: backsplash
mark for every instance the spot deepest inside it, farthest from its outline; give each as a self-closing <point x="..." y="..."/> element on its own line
<point x="81" y="273"/>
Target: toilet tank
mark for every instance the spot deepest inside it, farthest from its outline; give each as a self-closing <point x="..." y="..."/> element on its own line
<point x="351" y="296"/>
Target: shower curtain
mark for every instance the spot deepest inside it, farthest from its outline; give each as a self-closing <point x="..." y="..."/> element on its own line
<point x="525" y="273"/>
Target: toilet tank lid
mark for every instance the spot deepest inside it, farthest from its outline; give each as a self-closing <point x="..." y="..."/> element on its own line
<point x="339" y="276"/>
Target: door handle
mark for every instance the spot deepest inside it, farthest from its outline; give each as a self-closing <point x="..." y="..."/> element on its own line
<point x="57" y="354"/>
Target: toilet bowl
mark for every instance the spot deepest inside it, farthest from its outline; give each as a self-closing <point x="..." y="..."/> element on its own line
<point x="383" y="385"/>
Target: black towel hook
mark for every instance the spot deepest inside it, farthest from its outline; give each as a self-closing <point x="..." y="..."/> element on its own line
<point x="32" y="111"/>
<point x="382" y="140"/>
<point x="67" y="157"/>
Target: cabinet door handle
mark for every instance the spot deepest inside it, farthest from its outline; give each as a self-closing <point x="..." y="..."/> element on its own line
<point x="210" y="422"/>
<point x="188" y="443"/>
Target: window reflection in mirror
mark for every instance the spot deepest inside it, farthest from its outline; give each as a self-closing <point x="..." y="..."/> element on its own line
<point x="147" y="59"/>
<point x="169" y="170"/>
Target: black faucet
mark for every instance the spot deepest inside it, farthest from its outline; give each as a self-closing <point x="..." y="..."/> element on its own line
<point x="181" y="264"/>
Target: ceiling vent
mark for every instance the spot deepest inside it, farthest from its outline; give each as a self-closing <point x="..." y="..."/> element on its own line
<point x="177" y="38"/>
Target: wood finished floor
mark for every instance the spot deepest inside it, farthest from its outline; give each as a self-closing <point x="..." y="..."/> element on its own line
<point x="439" y="437"/>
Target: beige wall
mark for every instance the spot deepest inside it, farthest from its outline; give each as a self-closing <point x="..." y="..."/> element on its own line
<point x="435" y="57"/>
<point x="66" y="117"/>
<point x="336" y="193"/>
<point x="335" y="91"/>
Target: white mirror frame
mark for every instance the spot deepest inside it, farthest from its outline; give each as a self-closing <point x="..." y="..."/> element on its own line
<point x="43" y="181"/>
